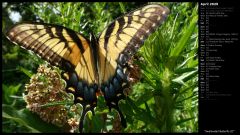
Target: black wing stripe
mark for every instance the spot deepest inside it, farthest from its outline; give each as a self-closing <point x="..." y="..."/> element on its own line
<point x="48" y="49"/>
<point x="30" y="46"/>
<point x="130" y="18"/>
<point x="121" y="22"/>
<point x="49" y="32"/>
<point x="20" y="36"/>
<point x="36" y="41"/>
<point x="108" y="32"/>
<point x="44" y="48"/>
<point x="76" y="39"/>
<point x="26" y="38"/>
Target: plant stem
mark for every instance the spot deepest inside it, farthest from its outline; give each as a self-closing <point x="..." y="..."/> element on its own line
<point x="165" y="105"/>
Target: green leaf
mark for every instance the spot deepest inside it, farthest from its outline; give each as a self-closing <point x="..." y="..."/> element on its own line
<point x="126" y="109"/>
<point x="25" y="71"/>
<point x="186" y="76"/>
<point x="184" y="120"/>
<point x="190" y="97"/>
<point x="184" y="70"/>
<point x="142" y="114"/>
<point x="184" y="38"/>
<point x="147" y="107"/>
<point x="133" y="106"/>
<point x="10" y="90"/>
<point x="183" y="90"/>
<point x="184" y="63"/>
<point x="97" y="124"/>
<point x="26" y="118"/>
<point x="122" y="7"/>
<point x="144" y="98"/>
<point x="58" y="103"/>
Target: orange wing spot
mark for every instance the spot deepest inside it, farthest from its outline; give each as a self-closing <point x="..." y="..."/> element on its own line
<point x="98" y="93"/>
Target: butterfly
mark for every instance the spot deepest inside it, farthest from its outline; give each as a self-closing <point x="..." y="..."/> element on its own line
<point x="95" y="64"/>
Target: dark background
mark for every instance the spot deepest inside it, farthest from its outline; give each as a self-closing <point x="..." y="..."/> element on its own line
<point x="221" y="114"/>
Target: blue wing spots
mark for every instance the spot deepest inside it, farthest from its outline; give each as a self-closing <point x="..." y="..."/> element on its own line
<point x="106" y="92"/>
<point x="86" y="93"/>
<point x="116" y="84"/>
<point x="115" y="87"/>
<point x="80" y="88"/>
<point x="92" y="94"/>
<point x="111" y="91"/>
<point x="122" y="59"/>
<point x="73" y="80"/>
<point x="120" y="74"/>
<point x="95" y="86"/>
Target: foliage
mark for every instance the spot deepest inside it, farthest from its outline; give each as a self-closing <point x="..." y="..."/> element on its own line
<point x="165" y="99"/>
<point x="168" y="92"/>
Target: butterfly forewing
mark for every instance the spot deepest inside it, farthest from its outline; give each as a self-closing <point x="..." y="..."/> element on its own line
<point x="56" y="44"/>
<point x="123" y="37"/>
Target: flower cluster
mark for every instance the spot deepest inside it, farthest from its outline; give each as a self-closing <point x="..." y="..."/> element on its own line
<point x="47" y="87"/>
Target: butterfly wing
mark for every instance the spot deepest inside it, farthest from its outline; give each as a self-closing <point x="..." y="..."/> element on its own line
<point x="119" y="42"/>
<point x="67" y="49"/>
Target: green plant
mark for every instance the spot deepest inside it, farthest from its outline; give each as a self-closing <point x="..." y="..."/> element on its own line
<point x="166" y="100"/>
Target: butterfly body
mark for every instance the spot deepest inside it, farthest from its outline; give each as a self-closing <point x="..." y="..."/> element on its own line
<point x="96" y="64"/>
